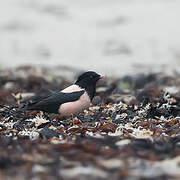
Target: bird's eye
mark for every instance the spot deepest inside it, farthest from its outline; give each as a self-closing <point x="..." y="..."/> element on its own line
<point x="91" y="77"/>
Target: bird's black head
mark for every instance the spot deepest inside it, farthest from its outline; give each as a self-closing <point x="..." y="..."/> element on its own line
<point x="88" y="81"/>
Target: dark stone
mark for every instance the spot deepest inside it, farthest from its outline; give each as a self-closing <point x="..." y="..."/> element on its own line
<point x="43" y="125"/>
<point x="5" y="140"/>
<point x="163" y="146"/>
<point x="87" y="118"/>
<point x="6" y="162"/>
<point x="48" y="133"/>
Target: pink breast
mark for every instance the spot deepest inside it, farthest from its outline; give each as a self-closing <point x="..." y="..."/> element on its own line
<point x="69" y="108"/>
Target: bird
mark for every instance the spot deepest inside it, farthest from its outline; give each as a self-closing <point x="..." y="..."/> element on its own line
<point x="71" y="100"/>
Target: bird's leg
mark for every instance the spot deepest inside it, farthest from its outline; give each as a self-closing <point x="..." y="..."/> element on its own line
<point x="58" y="117"/>
<point x="72" y="116"/>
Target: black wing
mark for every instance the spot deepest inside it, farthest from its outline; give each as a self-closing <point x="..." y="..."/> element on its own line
<point x="35" y="99"/>
<point x="51" y="103"/>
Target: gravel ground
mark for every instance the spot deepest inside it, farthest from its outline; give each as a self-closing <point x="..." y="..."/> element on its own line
<point x="132" y="131"/>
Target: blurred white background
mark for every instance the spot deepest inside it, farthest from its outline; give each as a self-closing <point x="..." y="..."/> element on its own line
<point x="111" y="36"/>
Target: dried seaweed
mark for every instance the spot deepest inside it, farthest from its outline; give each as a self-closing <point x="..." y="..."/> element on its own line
<point x="131" y="132"/>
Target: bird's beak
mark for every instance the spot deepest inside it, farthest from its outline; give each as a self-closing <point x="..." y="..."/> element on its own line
<point x="102" y="76"/>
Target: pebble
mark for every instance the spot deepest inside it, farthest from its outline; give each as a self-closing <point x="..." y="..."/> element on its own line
<point x="48" y="133"/>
